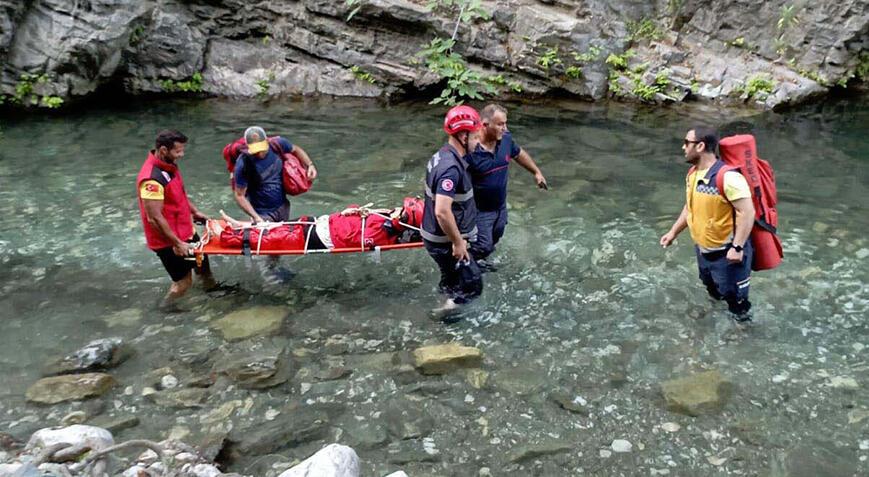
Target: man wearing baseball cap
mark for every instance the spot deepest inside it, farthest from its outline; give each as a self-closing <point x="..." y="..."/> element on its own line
<point x="259" y="189"/>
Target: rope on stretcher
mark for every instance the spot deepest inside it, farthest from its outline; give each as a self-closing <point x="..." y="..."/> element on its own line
<point x="266" y="226"/>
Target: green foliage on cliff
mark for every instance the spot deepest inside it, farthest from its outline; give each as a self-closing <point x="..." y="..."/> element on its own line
<point x="738" y="42"/>
<point x="647" y="92"/>
<point x="788" y="18"/>
<point x="191" y="85"/>
<point x="814" y="76"/>
<point x="549" y="58"/>
<point x="362" y="75"/>
<point x="640" y="87"/>
<point x="574" y="72"/>
<point x="136" y="35"/>
<point x="462" y="83"/>
<point x="862" y="70"/>
<point x="619" y="62"/>
<point x="500" y="83"/>
<point x="469" y="10"/>
<point x="25" y="94"/>
<point x="644" y="29"/>
<point x="593" y="54"/>
<point x="758" y="85"/>
<point x="570" y="65"/>
<point x="265" y="84"/>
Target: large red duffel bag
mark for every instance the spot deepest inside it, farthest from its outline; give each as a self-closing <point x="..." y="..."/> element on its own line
<point x="739" y="153"/>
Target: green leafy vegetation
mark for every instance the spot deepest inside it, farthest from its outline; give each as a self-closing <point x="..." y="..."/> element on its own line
<point x="51" y="102"/>
<point x="738" y="42"/>
<point x="265" y="84"/>
<point x="570" y="65"/>
<point x="549" y="58"/>
<point x="362" y="75"/>
<point x="639" y="87"/>
<point x="191" y="85"/>
<point x="614" y="86"/>
<point x="574" y="72"/>
<point x="462" y="83"/>
<point x="470" y="10"/>
<point x="619" y="62"/>
<point x="788" y="17"/>
<point x="593" y="54"/>
<point x="759" y="85"/>
<point x="644" y="29"/>
<point x="647" y="92"/>
<point x="814" y="76"/>
<point x="500" y="82"/>
<point x="25" y="94"/>
<point x="862" y="70"/>
<point x="136" y="35"/>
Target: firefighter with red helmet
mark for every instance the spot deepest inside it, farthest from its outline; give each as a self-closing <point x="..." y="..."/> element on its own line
<point x="450" y="218"/>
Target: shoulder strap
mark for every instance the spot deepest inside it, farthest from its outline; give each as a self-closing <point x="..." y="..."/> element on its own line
<point x="275" y="146"/>
<point x="719" y="179"/>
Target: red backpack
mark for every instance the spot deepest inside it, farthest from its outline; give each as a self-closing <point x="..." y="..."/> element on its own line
<point x="295" y="175"/>
<point x="739" y="153"/>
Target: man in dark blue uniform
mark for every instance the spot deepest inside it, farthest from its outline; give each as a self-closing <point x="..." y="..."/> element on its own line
<point x="449" y="221"/>
<point x="259" y="188"/>
<point x="488" y="165"/>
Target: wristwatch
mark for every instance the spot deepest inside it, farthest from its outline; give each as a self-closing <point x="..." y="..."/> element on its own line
<point x="738" y="248"/>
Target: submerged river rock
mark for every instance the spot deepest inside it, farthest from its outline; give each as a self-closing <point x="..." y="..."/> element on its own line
<point x="97" y="355"/>
<point x="696" y="394"/>
<point x="69" y="387"/>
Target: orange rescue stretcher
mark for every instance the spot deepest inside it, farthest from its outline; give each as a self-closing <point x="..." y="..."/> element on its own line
<point x="294" y="238"/>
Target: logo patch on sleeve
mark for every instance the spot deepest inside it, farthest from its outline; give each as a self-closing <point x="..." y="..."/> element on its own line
<point x="152" y="188"/>
<point x="447" y="185"/>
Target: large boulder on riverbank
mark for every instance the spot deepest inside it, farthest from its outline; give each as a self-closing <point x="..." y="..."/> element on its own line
<point x="69" y="387"/>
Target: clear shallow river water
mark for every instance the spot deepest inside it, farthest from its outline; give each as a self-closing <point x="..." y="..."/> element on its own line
<point x="585" y="304"/>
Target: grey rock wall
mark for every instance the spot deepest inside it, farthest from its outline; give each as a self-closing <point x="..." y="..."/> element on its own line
<point x="707" y="49"/>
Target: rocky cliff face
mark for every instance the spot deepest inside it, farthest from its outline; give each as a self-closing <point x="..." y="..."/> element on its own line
<point x="765" y="53"/>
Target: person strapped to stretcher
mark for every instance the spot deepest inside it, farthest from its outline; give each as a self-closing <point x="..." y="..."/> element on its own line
<point x="339" y="231"/>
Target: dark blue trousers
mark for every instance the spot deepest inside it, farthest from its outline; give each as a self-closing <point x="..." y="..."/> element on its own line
<point x="490" y="229"/>
<point x="727" y="281"/>
<point x="460" y="281"/>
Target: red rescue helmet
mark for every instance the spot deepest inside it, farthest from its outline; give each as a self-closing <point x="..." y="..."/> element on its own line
<point x="412" y="211"/>
<point x="462" y="118"/>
